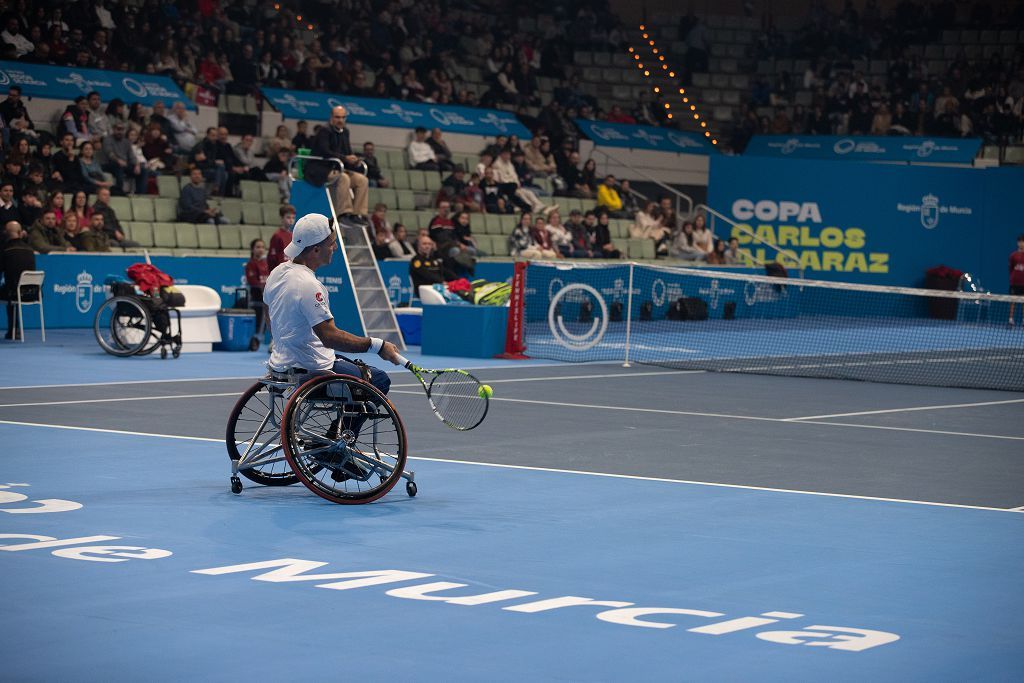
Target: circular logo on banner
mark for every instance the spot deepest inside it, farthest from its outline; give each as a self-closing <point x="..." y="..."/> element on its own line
<point x="658" y="292"/>
<point x="844" y="146"/>
<point x="4" y="78"/>
<point x="134" y="87"/>
<point x="598" y="326"/>
<point x="440" y="116"/>
<point x="790" y="146"/>
<point x="926" y="148"/>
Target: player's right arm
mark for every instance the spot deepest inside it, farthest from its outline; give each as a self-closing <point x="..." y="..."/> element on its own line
<point x="340" y="340"/>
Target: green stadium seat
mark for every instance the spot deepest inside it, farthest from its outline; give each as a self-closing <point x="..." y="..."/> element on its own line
<point x="483" y="242"/>
<point x="424" y="218"/>
<point x="185" y="233"/>
<point x="490" y="225"/>
<point x="232" y="209"/>
<point x="165" y="209"/>
<point x="270" y="193"/>
<point x="499" y="245"/>
<point x="142" y="209"/>
<point x="208" y="236"/>
<point x="183" y="181"/>
<point x="252" y="213"/>
<point x="122" y="206"/>
<point x="164" y="235"/>
<point x="388" y="197"/>
<point x="267" y="231"/>
<point x="433" y="181"/>
<point x="230" y="236"/>
<point x="374" y="197"/>
<point x="251" y="191"/>
<point x="418" y="181"/>
<point x="271" y="214"/>
<point x="140" y="232"/>
<point x="508" y="223"/>
<point x="249" y="233"/>
<point x="406" y="200"/>
<point x="395" y="158"/>
<point x="167" y="186"/>
<point x="400" y="179"/>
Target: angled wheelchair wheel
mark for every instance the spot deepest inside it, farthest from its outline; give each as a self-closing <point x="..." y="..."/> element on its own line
<point x="256" y="421"/>
<point x="122" y="326"/>
<point x="343" y="439"/>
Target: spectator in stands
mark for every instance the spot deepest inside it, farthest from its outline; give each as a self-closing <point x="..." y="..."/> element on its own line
<point x="236" y="170"/>
<point x="647" y="225"/>
<point x="542" y="239"/>
<point x="588" y="179"/>
<point x="111" y="224"/>
<point x="601" y="237"/>
<point x="442" y="154"/>
<point x="373" y="172"/>
<point x="80" y="207"/>
<point x="256" y="271"/>
<point x="157" y="151"/>
<point x="245" y="157"/>
<point x="98" y="123"/>
<point x="717" y="256"/>
<point x="669" y="218"/>
<point x="185" y="134"/>
<point x="45" y="236"/>
<point x="421" y="154"/>
<point x="401" y="248"/>
<point x="75" y="120"/>
<point x="732" y="252"/>
<point x="608" y="198"/>
<point x="282" y="238"/>
<point x="382" y="234"/>
<point x="426" y="267"/>
<point x="204" y="157"/>
<point x="276" y="170"/>
<point x="520" y="242"/>
<point x="351" y="198"/>
<point x="12" y="109"/>
<point x="703" y="238"/>
<point x="508" y="180"/>
<point x="92" y="172"/>
<point x="561" y="238"/>
<point x="464" y="236"/>
<point x="69" y="226"/>
<point x="192" y="204"/>
<point x="55" y="202"/>
<point x="683" y="245"/>
<point x="581" y="247"/>
<point x="12" y="36"/>
<point x="136" y="119"/>
<point x="159" y="117"/>
<point x="93" y="236"/>
<point x="121" y="161"/>
<point x="17" y="256"/>
<point x="539" y="158"/>
<point x="472" y="197"/>
<point x="302" y="137"/>
<point x="630" y="205"/>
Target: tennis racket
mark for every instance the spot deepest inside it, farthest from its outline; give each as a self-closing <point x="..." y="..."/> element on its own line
<point x="455" y="395"/>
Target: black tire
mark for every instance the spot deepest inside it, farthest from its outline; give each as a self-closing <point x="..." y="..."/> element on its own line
<point x="245" y="418"/>
<point x="341" y="434"/>
<point x="122" y="326"/>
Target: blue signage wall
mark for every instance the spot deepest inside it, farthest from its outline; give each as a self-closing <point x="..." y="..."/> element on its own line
<point x="316" y="106"/>
<point x="644" y="137"/>
<point x="862" y="148"/>
<point x="65" y="83"/>
<point x="873" y="223"/>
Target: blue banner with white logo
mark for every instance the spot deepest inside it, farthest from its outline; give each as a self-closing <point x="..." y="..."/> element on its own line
<point x="880" y="224"/>
<point x="644" y="137"/>
<point x="862" y="148"/>
<point x="316" y="106"/>
<point x="66" y="83"/>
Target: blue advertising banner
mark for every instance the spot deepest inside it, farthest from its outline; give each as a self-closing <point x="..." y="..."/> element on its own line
<point x="862" y="148"/>
<point x="644" y="137"/>
<point x="65" y="83"/>
<point x="316" y="106"/>
<point x="871" y="223"/>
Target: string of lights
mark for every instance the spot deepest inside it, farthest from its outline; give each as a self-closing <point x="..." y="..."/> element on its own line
<point x="658" y="60"/>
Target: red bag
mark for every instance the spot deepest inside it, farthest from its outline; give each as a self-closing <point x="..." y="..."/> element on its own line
<point x="149" y="277"/>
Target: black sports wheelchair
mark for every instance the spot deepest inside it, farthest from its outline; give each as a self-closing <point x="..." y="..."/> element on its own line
<point x="133" y="323"/>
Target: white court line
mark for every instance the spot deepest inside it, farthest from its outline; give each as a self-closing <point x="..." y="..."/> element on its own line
<point x="562" y="471"/>
<point x="397" y="386"/>
<point x="664" y="411"/>
<point x="904" y="410"/>
<point x="133" y="381"/>
<point x="114" y="400"/>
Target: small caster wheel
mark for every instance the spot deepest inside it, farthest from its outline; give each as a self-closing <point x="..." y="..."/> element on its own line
<point x="163" y="353"/>
<point x="254" y="344"/>
<point x="236" y="485"/>
<point x="176" y="351"/>
<point x="410" y="488"/>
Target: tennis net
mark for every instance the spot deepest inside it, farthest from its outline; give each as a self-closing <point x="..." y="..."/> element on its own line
<point x="703" y="319"/>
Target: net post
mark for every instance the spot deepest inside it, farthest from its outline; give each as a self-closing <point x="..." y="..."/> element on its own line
<point x="629" y="313"/>
<point x="514" y="345"/>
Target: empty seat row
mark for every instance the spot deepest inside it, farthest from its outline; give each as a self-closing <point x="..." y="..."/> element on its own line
<point x="202" y="237"/>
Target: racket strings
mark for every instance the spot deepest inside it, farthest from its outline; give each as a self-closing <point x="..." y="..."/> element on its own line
<point x="456" y="399"/>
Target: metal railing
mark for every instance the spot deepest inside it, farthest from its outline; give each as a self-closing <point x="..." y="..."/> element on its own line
<point x="783" y="256"/>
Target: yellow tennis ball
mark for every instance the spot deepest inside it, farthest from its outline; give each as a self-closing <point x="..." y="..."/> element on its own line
<point x="485" y="391"/>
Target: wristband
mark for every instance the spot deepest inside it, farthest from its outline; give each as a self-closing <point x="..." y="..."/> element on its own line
<point x="375" y="344"/>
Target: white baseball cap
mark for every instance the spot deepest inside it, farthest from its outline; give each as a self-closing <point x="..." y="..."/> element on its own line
<point x="311" y="229"/>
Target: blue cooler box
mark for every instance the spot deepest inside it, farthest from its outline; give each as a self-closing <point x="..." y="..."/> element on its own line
<point x="237" y="326"/>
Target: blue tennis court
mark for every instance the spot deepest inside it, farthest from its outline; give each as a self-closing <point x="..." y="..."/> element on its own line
<point x="603" y="523"/>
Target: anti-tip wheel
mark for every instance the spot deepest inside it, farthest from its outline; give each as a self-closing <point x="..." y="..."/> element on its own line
<point x="163" y="353"/>
<point x="236" y="485"/>
<point x="176" y="351"/>
<point x="410" y="488"/>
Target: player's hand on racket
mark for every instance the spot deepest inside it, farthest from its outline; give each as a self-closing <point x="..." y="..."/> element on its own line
<point x="389" y="352"/>
<point x="457" y="398"/>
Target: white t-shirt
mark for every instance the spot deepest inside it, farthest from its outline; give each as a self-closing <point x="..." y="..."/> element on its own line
<point x="297" y="301"/>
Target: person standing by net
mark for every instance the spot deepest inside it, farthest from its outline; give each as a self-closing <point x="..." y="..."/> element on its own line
<point x="1017" y="273"/>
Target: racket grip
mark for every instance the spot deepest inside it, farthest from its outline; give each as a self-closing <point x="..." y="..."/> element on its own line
<point x="403" y="361"/>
